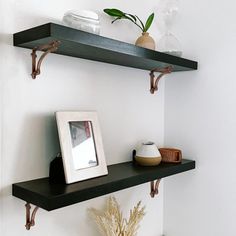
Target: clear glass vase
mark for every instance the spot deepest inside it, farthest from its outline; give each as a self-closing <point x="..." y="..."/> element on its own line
<point x="170" y="44"/>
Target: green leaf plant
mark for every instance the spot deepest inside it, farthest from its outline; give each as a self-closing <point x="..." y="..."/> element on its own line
<point x="119" y="15"/>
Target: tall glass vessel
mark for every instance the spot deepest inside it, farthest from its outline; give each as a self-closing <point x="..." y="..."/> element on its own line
<point x="168" y="43"/>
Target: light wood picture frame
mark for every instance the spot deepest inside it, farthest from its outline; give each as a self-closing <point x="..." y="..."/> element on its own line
<point x="81" y="145"/>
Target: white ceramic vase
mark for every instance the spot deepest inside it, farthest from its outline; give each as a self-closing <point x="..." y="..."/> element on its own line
<point x="148" y="154"/>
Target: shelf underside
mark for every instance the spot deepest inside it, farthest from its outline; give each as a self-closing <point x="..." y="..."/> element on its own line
<point x="81" y="44"/>
<point x="51" y="196"/>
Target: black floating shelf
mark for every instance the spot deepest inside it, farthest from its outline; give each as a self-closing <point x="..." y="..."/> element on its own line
<point x="85" y="45"/>
<point x="51" y="196"/>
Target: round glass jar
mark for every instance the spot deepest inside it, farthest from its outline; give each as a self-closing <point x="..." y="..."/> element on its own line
<point x="82" y="20"/>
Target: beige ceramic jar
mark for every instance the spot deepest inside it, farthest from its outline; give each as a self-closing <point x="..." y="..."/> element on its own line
<point x="145" y="41"/>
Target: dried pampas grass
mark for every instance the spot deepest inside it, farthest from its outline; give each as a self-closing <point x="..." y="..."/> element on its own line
<point x="111" y="221"/>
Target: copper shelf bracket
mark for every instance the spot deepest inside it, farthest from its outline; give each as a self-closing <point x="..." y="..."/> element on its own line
<point x="154" y="187"/>
<point x="47" y="48"/>
<point x="30" y="218"/>
<point x="153" y="81"/>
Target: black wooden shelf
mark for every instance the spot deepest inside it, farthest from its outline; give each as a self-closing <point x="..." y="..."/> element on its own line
<point x="85" y="45"/>
<point x="51" y="196"/>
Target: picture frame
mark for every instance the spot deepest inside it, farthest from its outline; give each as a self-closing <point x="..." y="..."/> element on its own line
<point x="81" y="145"/>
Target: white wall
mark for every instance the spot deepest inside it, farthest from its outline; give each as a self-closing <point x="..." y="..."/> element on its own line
<point x="200" y="118"/>
<point x="119" y="94"/>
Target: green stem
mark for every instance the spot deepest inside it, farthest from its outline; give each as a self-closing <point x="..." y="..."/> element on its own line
<point x="115" y="20"/>
<point x="135" y="22"/>
<point x="139" y="26"/>
<point x="141" y="23"/>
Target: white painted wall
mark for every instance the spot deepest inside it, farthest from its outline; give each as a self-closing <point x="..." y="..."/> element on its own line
<point x="28" y="130"/>
<point x="200" y="118"/>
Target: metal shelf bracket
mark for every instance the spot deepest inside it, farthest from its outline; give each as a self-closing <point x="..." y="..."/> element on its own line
<point x="154" y="81"/>
<point x="30" y="218"/>
<point x="154" y="187"/>
<point x="47" y="48"/>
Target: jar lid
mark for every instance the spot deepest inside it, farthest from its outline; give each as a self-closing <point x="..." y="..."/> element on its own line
<point x="83" y="13"/>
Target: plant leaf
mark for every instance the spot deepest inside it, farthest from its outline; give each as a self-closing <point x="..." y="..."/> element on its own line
<point x="118" y="14"/>
<point x="128" y="18"/>
<point x="132" y="16"/>
<point x="148" y="22"/>
<point x="114" y="12"/>
<point x="131" y="19"/>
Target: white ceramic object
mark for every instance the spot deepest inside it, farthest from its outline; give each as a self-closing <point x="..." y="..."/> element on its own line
<point x="148" y="154"/>
<point x="83" y="20"/>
